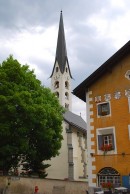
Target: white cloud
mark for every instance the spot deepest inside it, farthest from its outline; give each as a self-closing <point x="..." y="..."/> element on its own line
<point x="37" y="42"/>
<point x="115" y="29"/>
<point x="79" y="107"/>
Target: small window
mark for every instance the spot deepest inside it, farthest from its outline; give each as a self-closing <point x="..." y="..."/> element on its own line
<point x="56" y="84"/>
<point x="66" y="85"/>
<point x="106" y="142"/>
<point x="57" y="94"/>
<point x="66" y="69"/>
<point x="66" y="106"/>
<point x="107" y="139"/>
<point x="66" y="95"/>
<point x="57" y="69"/>
<point x="103" y="109"/>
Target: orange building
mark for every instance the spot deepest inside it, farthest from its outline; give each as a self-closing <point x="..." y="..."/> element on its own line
<point x="107" y="96"/>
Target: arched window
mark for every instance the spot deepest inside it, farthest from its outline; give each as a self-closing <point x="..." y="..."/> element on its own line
<point x="66" y="85"/>
<point x="57" y="94"/>
<point x="56" y="85"/>
<point x="66" y="69"/>
<point x="57" y="69"/>
<point x="66" y="95"/>
<point x="66" y="106"/>
<point x="110" y="175"/>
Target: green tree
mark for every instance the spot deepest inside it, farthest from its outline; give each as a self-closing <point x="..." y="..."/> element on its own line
<point x="30" y="118"/>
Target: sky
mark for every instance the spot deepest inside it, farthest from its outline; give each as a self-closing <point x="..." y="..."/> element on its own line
<point x="94" y="31"/>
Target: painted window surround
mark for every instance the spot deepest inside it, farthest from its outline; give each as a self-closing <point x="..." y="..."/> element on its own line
<point x="108" y="115"/>
<point x="104" y="131"/>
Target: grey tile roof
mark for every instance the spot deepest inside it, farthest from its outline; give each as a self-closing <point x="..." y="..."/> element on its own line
<point x="75" y="120"/>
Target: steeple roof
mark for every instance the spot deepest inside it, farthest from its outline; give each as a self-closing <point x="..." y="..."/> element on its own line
<point x="61" y="52"/>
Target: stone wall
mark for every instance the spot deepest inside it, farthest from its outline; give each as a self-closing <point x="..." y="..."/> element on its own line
<point x="22" y="185"/>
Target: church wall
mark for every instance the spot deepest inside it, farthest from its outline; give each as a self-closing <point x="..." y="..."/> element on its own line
<point x="59" y="164"/>
<point x="79" y="155"/>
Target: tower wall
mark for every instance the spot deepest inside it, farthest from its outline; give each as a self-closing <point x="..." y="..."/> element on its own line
<point x="61" y="86"/>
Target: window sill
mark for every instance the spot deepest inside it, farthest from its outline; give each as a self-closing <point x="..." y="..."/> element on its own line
<point x="112" y="152"/>
<point x="100" y="116"/>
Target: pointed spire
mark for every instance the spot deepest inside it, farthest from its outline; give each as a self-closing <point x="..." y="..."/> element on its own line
<point x="61" y="52"/>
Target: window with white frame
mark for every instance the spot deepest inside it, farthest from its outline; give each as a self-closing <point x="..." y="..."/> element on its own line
<point x="106" y="140"/>
<point x="103" y="109"/>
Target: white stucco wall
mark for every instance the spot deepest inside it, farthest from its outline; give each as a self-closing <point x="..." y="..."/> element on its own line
<point x="77" y="155"/>
<point x="61" y="78"/>
<point x="59" y="164"/>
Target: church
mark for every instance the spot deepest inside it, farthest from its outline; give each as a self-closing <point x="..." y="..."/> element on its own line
<point x="71" y="164"/>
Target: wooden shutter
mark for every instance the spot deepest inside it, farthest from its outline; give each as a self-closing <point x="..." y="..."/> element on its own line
<point x="113" y="143"/>
<point x="100" y="141"/>
<point x="108" y="108"/>
<point x="99" y="109"/>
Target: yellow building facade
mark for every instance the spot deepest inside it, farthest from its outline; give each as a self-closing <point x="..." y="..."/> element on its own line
<point x="107" y="96"/>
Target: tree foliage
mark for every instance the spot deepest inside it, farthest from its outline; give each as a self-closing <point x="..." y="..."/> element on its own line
<point x="30" y="118"/>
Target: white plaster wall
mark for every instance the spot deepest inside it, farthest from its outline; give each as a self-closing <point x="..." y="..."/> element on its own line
<point x="75" y="154"/>
<point x="59" y="164"/>
<point x="78" y="165"/>
<point x="58" y="76"/>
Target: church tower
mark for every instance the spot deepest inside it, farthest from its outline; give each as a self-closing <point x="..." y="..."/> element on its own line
<point x="70" y="164"/>
<point x="61" y="74"/>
